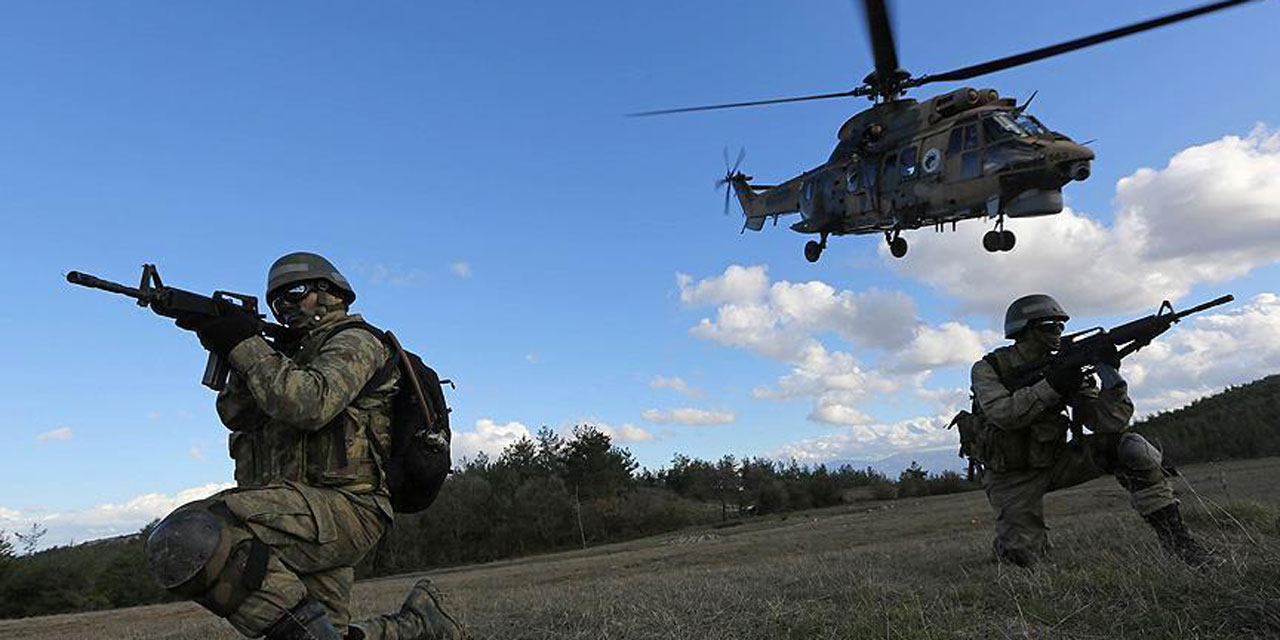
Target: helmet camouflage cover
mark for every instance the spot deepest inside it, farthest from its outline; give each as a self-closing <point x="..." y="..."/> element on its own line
<point x="302" y="266"/>
<point x="1028" y="309"/>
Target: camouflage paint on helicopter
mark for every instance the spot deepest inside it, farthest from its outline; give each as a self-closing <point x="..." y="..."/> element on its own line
<point x="906" y="164"/>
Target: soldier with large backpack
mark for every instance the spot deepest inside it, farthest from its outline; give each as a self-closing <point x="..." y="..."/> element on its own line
<point x="334" y="428"/>
<point x="1017" y="432"/>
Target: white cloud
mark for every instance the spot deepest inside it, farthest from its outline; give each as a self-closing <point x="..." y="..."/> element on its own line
<point x="689" y="416"/>
<point x="950" y="344"/>
<point x="196" y="452"/>
<point x="381" y="274"/>
<point x="60" y="434"/>
<point x="738" y="285"/>
<point x="1212" y="214"/>
<point x="675" y="383"/>
<point x="831" y="411"/>
<point x="872" y="440"/>
<point x="488" y="437"/>
<point x="461" y="269"/>
<point x="107" y="520"/>
<point x="784" y="321"/>
<point x="623" y="434"/>
<point x="1206" y="353"/>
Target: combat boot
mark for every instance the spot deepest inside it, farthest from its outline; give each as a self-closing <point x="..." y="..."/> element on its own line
<point x="1175" y="539"/>
<point x="421" y="617"/>
<point x="307" y="621"/>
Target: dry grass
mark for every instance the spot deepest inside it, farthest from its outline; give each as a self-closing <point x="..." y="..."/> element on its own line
<point x="915" y="568"/>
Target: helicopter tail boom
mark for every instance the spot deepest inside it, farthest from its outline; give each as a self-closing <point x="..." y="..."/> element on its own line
<point x="759" y="203"/>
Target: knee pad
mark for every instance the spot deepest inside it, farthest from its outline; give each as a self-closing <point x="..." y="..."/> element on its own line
<point x="1136" y="454"/>
<point x="198" y="554"/>
<point x="187" y="550"/>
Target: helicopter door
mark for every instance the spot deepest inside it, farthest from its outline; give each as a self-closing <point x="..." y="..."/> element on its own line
<point x="964" y="157"/>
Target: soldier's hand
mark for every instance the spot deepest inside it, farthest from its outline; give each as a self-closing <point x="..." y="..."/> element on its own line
<point x="1065" y="380"/>
<point x="1108" y="355"/>
<point x="190" y="321"/>
<point x="222" y="333"/>
<point x="1109" y="376"/>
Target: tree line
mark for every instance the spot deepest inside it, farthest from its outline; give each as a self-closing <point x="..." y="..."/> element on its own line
<point x="553" y="492"/>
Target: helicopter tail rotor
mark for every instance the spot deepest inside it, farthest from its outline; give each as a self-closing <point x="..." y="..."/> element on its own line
<point x="731" y="174"/>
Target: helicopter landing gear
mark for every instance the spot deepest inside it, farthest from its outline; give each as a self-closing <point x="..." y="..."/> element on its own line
<point x="897" y="243"/>
<point x="999" y="239"/>
<point x="813" y="249"/>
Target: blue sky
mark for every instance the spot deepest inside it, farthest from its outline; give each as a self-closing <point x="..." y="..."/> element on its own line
<point x="469" y="168"/>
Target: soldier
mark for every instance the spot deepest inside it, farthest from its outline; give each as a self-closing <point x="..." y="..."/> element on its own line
<point x="1024" y="439"/>
<point x="275" y="555"/>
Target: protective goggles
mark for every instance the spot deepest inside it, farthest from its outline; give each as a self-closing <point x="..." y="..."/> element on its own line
<point x="1047" y="325"/>
<point x="290" y="296"/>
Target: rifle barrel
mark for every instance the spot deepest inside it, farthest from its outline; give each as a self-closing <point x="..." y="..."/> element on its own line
<point x="94" y="282"/>
<point x="1210" y="304"/>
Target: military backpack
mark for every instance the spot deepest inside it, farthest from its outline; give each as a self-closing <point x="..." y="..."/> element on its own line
<point x="418" y="460"/>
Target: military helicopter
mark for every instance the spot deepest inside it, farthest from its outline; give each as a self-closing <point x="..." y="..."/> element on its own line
<point x="904" y="164"/>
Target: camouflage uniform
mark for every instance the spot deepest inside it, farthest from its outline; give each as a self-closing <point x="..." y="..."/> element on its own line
<point x="1027" y="455"/>
<point x="309" y="481"/>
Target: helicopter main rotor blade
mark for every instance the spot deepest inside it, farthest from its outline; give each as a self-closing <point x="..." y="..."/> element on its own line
<point x="661" y="112"/>
<point x="984" y="68"/>
<point x="882" y="47"/>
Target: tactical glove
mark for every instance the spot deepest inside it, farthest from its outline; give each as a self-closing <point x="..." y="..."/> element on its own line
<point x="1109" y="356"/>
<point x="220" y="334"/>
<point x="1108" y="375"/>
<point x="1065" y="380"/>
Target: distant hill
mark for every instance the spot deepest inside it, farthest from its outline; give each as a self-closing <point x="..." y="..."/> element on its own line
<point x="1240" y="422"/>
<point x="934" y="461"/>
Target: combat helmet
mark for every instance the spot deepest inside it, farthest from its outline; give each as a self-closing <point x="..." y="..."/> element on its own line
<point x="302" y="266"/>
<point x="1028" y="309"/>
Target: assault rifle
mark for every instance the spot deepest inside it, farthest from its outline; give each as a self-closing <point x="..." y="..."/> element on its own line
<point x="1085" y="349"/>
<point x="176" y="303"/>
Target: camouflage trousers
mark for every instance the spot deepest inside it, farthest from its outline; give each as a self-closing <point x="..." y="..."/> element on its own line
<point x="1017" y="497"/>
<point x="315" y="537"/>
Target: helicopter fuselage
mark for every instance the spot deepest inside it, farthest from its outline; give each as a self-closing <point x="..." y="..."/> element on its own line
<point x="905" y="164"/>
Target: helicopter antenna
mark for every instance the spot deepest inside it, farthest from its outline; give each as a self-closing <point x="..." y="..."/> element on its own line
<point x="1023" y="107"/>
<point x="888" y="80"/>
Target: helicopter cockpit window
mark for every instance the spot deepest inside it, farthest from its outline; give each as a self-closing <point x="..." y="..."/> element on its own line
<point x="1032" y="125"/>
<point x="1000" y="127"/>
<point x="908" y="163"/>
<point x="970" y="137"/>
<point x="953" y="143"/>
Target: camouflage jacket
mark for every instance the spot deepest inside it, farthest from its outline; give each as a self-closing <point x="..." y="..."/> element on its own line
<point x="1029" y="425"/>
<point x="305" y="417"/>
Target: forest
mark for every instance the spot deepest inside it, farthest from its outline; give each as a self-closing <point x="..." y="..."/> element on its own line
<point x="557" y="492"/>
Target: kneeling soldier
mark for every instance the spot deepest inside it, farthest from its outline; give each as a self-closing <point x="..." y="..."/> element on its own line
<point x="1023" y="442"/>
<point x="275" y="555"/>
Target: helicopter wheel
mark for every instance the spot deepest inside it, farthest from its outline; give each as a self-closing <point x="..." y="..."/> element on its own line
<point x="898" y="247"/>
<point x="1007" y="240"/>
<point x="991" y="241"/>
<point x="812" y="251"/>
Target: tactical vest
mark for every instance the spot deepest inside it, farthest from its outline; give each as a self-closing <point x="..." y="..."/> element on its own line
<point x="338" y="455"/>
<point x="1035" y="446"/>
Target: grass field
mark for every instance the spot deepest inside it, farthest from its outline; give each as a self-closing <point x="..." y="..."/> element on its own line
<point x="916" y="568"/>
